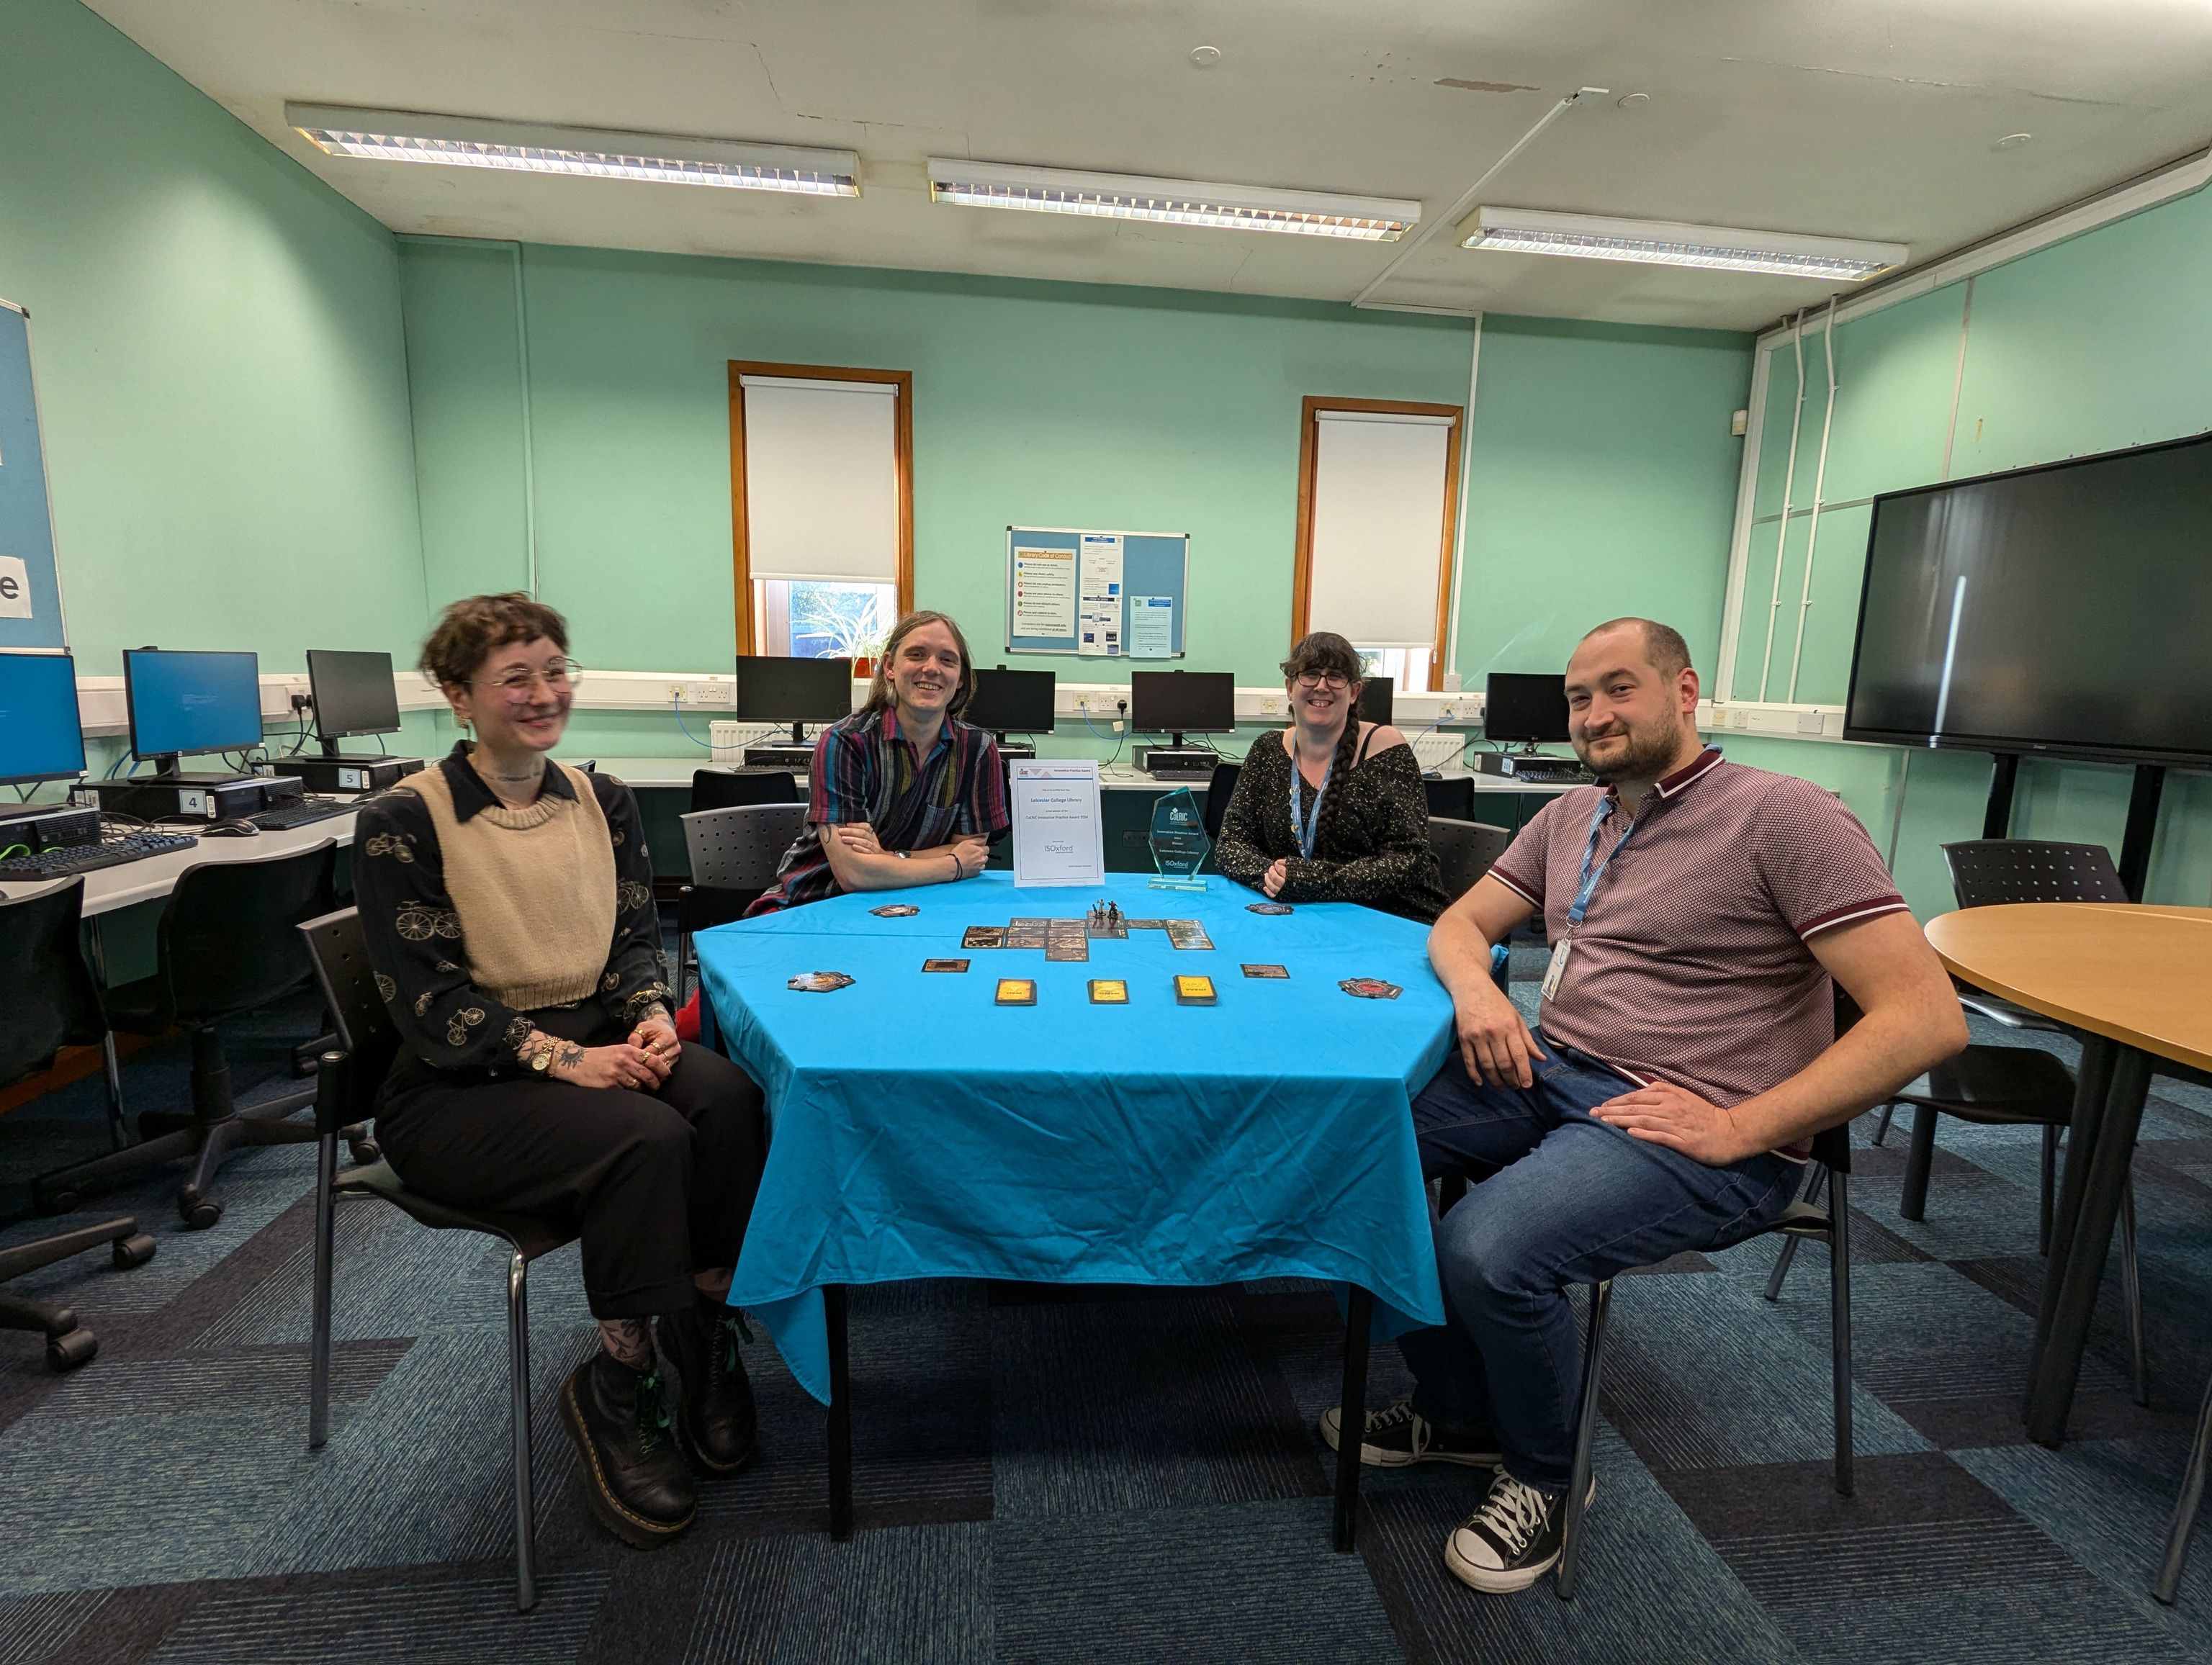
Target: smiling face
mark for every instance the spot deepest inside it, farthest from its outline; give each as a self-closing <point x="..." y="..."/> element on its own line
<point x="1629" y="720"/>
<point x="1323" y="699"/>
<point x="925" y="670"/>
<point x="518" y="698"/>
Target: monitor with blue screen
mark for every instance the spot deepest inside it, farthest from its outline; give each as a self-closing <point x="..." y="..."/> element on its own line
<point x="40" y="736"/>
<point x="182" y="703"/>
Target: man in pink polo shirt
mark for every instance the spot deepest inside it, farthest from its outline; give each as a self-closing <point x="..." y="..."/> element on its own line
<point x="1685" y="1052"/>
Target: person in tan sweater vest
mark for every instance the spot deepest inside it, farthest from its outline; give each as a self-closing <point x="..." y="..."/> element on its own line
<point x="507" y="903"/>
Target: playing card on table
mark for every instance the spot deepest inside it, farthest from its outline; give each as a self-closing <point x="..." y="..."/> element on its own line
<point x="1268" y="907"/>
<point x="1194" y="991"/>
<point x="944" y="964"/>
<point x="1145" y="924"/>
<point x="1188" y="934"/>
<point x="1066" y="939"/>
<point x="1369" y="988"/>
<point x="1109" y="991"/>
<point x="1267" y="970"/>
<point x="895" y="910"/>
<point x="819" y="983"/>
<point x="1027" y="932"/>
<point x="983" y="936"/>
<point x="1017" y="991"/>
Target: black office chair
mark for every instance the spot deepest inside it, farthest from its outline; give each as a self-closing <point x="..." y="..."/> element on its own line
<point x="1465" y="850"/>
<point x="226" y="946"/>
<point x="346" y="1084"/>
<point x="50" y="1002"/>
<point x="1220" y="789"/>
<point x="1805" y="1218"/>
<point x="733" y="855"/>
<point x="727" y="789"/>
<point x="1453" y="799"/>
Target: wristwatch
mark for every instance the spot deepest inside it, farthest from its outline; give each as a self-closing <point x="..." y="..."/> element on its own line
<point x="542" y="1060"/>
<point x="901" y="854"/>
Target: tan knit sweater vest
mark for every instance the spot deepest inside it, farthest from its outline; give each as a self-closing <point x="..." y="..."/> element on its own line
<point x="535" y="890"/>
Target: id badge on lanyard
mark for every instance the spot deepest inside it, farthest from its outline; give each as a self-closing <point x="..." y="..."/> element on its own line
<point x="1585" y="887"/>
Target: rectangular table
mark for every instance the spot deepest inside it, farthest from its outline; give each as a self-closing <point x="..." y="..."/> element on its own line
<point x="922" y="1131"/>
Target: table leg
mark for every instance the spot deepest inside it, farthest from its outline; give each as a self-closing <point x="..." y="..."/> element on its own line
<point x="2092" y="1086"/>
<point x="1351" y="1424"/>
<point x="841" y="1416"/>
<point x="2079" y="1244"/>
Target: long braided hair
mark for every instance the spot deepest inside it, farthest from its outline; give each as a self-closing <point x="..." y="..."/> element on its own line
<point x="1321" y="651"/>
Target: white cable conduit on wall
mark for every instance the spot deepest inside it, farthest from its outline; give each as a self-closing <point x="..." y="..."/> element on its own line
<point x="529" y="433"/>
<point x="1788" y="485"/>
<point x="1812" y="526"/>
<point x="1450" y="666"/>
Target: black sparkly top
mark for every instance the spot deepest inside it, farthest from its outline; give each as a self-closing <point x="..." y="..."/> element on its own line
<point x="1372" y="844"/>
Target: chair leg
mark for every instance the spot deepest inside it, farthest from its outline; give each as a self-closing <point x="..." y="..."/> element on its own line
<point x="682" y="964"/>
<point x="111" y="1067"/>
<point x="1839" y="1299"/>
<point x="1578" y="1476"/>
<point x="318" y="1339"/>
<point x="2050" y="1192"/>
<point x="525" y="1508"/>
<point x="1782" y="1262"/>
<point x="2131" y="1287"/>
<point x="1913" y="1205"/>
<point x="1888" y="1113"/>
<point x="2184" y="1506"/>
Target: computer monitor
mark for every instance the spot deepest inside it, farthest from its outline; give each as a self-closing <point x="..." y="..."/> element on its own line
<point x="1181" y="702"/>
<point x="182" y="703"/>
<point x="40" y="735"/>
<point x="1012" y="701"/>
<point x="354" y="694"/>
<point x="773" y="689"/>
<point x="1374" y="698"/>
<point x="1525" y="707"/>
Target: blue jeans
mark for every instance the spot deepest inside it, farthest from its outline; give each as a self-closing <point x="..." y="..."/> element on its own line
<point x="1557" y="1197"/>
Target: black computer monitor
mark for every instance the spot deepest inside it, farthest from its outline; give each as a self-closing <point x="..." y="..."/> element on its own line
<point x="1374" y="698"/>
<point x="1181" y="702"/>
<point x="40" y="735"/>
<point x="1012" y="701"/>
<point x="183" y="703"/>
<point x="1525" y="707"/>
<point x="773" y="689"/>
<point x="354" y="694"/>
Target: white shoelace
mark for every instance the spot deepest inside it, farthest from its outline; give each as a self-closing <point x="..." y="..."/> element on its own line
<point x="1383" y="1421"/>
<point x="1512" y="1514"/>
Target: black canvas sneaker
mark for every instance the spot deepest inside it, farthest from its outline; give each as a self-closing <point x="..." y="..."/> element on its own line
<point x="1397" y="1438"/>
<point x="1512" y="1541"/>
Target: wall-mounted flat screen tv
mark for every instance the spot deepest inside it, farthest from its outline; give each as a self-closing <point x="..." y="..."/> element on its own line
<point x="2064" y="609"/>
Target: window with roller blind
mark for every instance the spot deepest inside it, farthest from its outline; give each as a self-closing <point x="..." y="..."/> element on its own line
<point x="1378" y="506"/>
<point x="822" y="506"/>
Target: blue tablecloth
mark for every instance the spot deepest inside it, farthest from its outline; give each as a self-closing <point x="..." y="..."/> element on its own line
<point x="920" y="1130"/>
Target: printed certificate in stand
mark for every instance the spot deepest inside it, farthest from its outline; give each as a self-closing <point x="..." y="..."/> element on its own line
<point x="1060" y="835"/>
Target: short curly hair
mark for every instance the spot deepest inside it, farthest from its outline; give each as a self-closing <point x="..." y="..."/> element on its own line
<point x="470" y="629"/>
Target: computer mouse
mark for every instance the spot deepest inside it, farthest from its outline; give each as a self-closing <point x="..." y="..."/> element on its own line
<point x="231" y="830"/>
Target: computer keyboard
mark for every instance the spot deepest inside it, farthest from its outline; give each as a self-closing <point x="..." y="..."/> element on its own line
<point x="288" y="815"/>
<point x="66" y="859"/>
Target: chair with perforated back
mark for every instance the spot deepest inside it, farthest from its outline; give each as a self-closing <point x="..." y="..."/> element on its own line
<point x="732" y="789"/>
<point x="346" y="1084"/>
<point x="1994" y="872"/>
<point x="226" y="946"/>
<point x="1220" y="789"/>
<point x="1465" y="852"/>
<point x="1452" y="798"/>
<point x="734" y="853"/>
<point x="50" y="1002"/>
<point x="699" y="905"/>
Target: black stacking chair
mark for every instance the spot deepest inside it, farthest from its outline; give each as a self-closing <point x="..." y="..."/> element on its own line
<point x="700" y="904"/>
<point x="1805" y="1218"/>
<point x="734" y="853"/>
<point x="728" y="788"/>
<point x="50" y="1001"/>
<point x="1453" y="799"/>
<point x="1465" y="850"/>
<point x="1220" y="789"/>
<point x="346" y="1084"/>
<point x="227" y="946"/>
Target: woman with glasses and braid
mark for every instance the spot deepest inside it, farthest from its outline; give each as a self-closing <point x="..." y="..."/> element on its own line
<point x="507" y="903"/>
<point x="1335" y="810"/>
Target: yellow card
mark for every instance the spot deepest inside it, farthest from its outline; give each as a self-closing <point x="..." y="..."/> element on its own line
<point x="1017" y="991"/>
<point x="1109" y="991"/>
<point x="1194" y="990"/>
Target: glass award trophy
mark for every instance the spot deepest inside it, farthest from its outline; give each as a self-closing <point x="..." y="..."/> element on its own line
<point x="1179" y="842"/>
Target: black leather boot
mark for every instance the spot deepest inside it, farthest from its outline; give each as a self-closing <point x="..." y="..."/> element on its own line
<point x="634" y="1478"/>
<point x="714" y="1409"/>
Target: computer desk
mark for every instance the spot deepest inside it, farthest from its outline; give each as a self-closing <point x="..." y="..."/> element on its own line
<point x="152" y="877"/>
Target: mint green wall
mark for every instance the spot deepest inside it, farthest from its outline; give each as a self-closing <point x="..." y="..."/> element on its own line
<point x="222" y="378"/>
<point x="2093" y="344"/>
<point x="1602" y="475"/>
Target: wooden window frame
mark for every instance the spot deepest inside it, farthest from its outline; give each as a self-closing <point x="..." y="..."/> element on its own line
<point x="1309" y="452"/>
<point x="903" y="465"/>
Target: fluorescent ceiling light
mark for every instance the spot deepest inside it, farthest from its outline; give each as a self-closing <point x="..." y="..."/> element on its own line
<point x="1174" y="202"/>
<point x="395" y="136"/>
<point x="1668" y="243"/>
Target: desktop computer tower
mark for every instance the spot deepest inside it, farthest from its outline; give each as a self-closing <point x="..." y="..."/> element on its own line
<point x="352" y="774"/>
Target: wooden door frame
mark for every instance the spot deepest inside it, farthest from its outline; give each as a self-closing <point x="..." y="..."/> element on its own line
<point x="1302" y="566"/>
<point x="903" y="463"/>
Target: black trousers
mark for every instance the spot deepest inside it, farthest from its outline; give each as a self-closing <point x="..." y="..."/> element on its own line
<point x="658" y="1184"/>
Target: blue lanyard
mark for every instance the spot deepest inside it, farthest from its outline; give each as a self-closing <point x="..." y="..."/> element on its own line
<point x="1587" y="885"/>
<point x="1305" y="826"/>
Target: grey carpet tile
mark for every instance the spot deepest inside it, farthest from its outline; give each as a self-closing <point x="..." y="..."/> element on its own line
<point x="1901" y="1560"/>
<point x="453" y="1620"/>
<point x="210" y="1381"/>
<point x="35" y="1628"/>
<point x="2067" y="1621"/>
<point x="1226" y="1582"/>
<point x="1162" y="1398"/>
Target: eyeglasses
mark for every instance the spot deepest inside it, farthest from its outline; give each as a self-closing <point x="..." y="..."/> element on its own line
<point x="1324" y="678"/>
<point x="516" y="684"/>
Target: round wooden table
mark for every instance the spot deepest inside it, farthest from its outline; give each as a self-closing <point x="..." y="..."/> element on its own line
<point x="2136" y="982"/>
